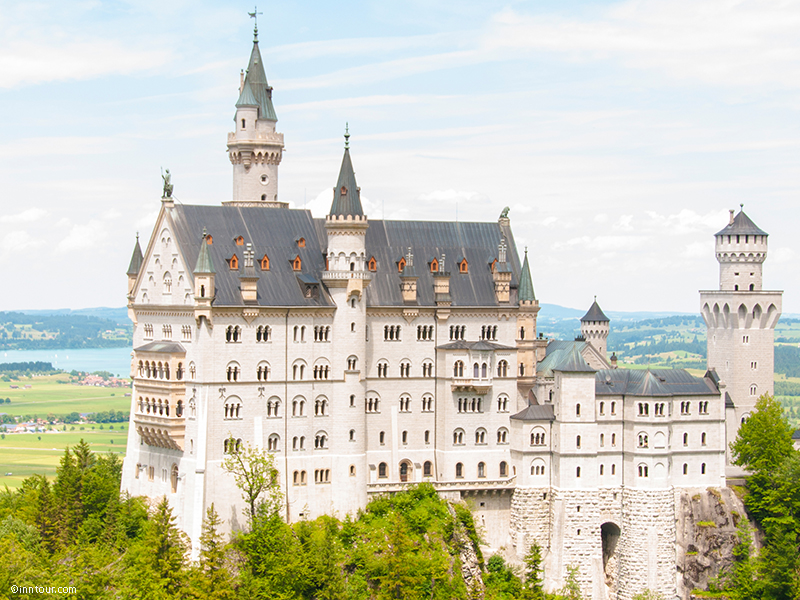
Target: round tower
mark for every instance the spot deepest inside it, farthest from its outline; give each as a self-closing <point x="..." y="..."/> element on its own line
<point x="741" y="250"/>
<point x="595" y="326"/>
<point x="255" y="148"/>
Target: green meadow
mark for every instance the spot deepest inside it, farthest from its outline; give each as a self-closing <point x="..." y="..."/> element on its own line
<point x="54" y="394"/>
<point x="25" y="454"/>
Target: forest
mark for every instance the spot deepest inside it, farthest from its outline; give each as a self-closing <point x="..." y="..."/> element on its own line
<point x="20" y="331"/>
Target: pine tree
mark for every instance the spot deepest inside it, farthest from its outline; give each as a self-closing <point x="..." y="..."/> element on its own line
<point x="533" y="574"/>
<point x="210" y="579"/>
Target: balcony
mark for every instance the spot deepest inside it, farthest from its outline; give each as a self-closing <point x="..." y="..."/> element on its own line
<point x="161" y="431"/>
<point x="338" y="275"/>
<point x="471" y="385"/>
<point x="459" y="485"/>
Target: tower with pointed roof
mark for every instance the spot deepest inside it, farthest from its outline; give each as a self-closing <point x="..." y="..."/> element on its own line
<point x="137" y="258"/>
<point x="530" y="348"/>
<point x="740" y="318"/>
<point x="255" y="148"/>
<point x="595" y="326"/>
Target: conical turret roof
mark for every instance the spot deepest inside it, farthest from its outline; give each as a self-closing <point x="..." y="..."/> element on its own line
<point x="346" y="194"/>
<point x="204" y="264"/>
<point x="246" y="97"/>
<point x="136" y="260"/>
<point x="595" y="313"/>
<point x="741" y="225"/>
<point x="259" y="88"/>
<point x="526" y="282"/>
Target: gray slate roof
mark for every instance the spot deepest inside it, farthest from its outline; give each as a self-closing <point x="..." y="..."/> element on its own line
<point x="595" y="313"/>
<point x="256" y="80"/>
<point x="273" y="232"/>
<point x="136" y="259"/>
<point x="162" y="347"/>
<point x="742" y="225"/>
<point x="534" y="412"/>
<point x="562" y="356"/>
<point x="479" y="345"/>
<point x="572" y="362"/>
<point x="652" y="382"/>
<point x="346" y="194"/>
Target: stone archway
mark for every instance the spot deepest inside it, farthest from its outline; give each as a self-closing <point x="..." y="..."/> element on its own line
<point x="406" y="471"/>
<point x="609" y="534"/>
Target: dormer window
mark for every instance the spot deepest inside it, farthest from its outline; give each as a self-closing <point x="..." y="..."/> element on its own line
<point x="372" y="265"/>
<point x="239" y="241"/>
<point x="463" y="266"/>
<point x="401" y="265"/>
<point x="301" y="242"/>
<point x="265" y="263"/>
<point x="493" y="265"/>
<point x="233" y="263"/>
<point x="209" y="239"/>
<point x="297" y="264"/>
<point x="434" y="266"/>
<point x="343" y="191"/>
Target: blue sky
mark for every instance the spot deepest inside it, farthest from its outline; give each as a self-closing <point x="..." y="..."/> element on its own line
<point x="619" y="133"/>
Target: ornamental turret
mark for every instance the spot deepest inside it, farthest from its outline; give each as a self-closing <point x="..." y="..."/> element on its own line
<point x="595" y="326"/>
<point x="135" y="266"/>
<point x="255" y="148"/>
<point x="741" y="249"/>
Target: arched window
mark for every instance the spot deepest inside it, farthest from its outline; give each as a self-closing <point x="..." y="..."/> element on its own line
<point x="703" y="439"/>
<point x="642" y="440"/>
<point x="458" y="437"/>
<point x="503" y="469"/>
<point x="352" y="435"/>
<point x="459" y="471"/>
<point x="272" y="442"/>
<point x="463" y="266"/>
<point x="502" y="368"/>
<point x="427" y="468"/>
<point x="685" y="439"/>
<point x="481" y="469"/>
<point x="480" y="436"/>
<point x="265" y="263"/>
<point x="578" y="442"/>
<point x="703" y="469"/>
<point x="174" y="478"/>
<point x="502" y="435"/>
<point x="321" y="440"/>
<point x="685" y="469"/>
<point x="577" y="410"/>
<point x="458" y="369"/>
<point x="382" y="470"/>
<point x="577" y="471"/>
<point x="475" y="371"/>
<point x="643" y="471"/>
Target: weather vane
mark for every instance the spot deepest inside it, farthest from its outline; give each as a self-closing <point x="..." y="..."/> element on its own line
<point x="347" y="135"/>
<point x="254" y="15"/>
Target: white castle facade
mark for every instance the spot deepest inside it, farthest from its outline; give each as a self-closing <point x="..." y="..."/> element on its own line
<point x="370" y="355"/>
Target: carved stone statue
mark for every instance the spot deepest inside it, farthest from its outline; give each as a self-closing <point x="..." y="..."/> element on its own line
<point x="165" y="175"/>
<point x="503" y="215"/>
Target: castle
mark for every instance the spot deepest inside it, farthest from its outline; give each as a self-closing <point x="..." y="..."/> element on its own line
<point x="368" y="355"/>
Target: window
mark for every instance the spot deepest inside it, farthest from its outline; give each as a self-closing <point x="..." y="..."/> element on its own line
<point x="613" y="439"/>
<point x="577" y="410"/>
<point x="321" y="407"/>
<point x="322" y="333"/>
<point x="405" y="369"/>
<point x="427" y="369"/>
<point x="265" y="263"/>
<point x="434" y="265"/>
<point x="404" y="437"/>
<point x="372" y="265"/>
<point x="321" y="440"/>
<point x="685" y="469"/>
<point x="601" y="469"/>
<point x="297" y="263"/>
<point x="352" y="470"/>
<point x="233" y="408"/>
<point x="578" y="442"/>
<point x="232" y="446"/>
<point x="503" y="469"/>
<point x="233" y="263"/>
<point x="470" y="405"/>
<point x="298" y="371"/>
<point x="298" y="443"/>
<point x="233" y="334"/>
<point x="642" y="440"/>
<point x="577" y="471"/>
<point x="537" y="438"/>
<point x="272" y="442"/>
<point x="480" y="437"/>
<point x="372" y="405"/>
<point x="301" y="242"/>
<point x="502" y="403"/>
<point x="703" y="469"/>
<point x="481" y="469"/>
<point x="685" y="439"/>
<point x="458" y="332"/>
<point x="458" y="437"/>
<point x="489" y="332"/>
<point x="186" y="333"/>
<point x="382" y="470"/>
<point x="424" y="333"/>
<point x="382" y="438"/>
<point x="427" y="403"/>
<point x="391" y="333"/>
<point x="658" y="409"/>
<point x="703" y="407"/>
<point x="643" y="471"/>
<point x="459" y="471"/>
<point x="703" y="439"/>
<point x="463" y="266"/>
<point x="427" y="436"/>
<point x="321" y="371"/>
<point x="352" y="363"/>
<point x="613" y="408"/>
<point x="502" y="435"/>
<point x="502" y="368"/>
<point x="602" y="408"/>
<point x="401" y="264"/>
<point x="322" y="476"/>
<point x="233" y="372"/>
<point x="602" y="440"/>
<point x="685" y="408"/>
<point x="383" y="369"/>
<point x="458" y="369"/>
<point x="262" y="372"/>
<point x="745" y="339"/>
<point x="298" y="407"/>
<point x="405" y="403"/>
<point x="427" y="468"/>
<point x="754" y="390"/>
<point x="614" y="471"/>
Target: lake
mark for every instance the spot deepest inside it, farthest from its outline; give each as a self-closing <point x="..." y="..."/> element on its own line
<point x="113" y="360"/>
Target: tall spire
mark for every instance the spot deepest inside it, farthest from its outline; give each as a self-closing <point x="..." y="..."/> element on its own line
<point x="346" y="194"/>
<point x="260" y="90"/>
<point x="136" y="260"/>
<point x="526" y="282"/>
<point x="204" y="264"/>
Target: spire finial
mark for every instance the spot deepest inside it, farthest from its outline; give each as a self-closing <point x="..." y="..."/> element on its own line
<point x="595" y="297"/>
<point x="741" y="206"/>
<point x="205" y="232"/>
<point x="526" y="251"/>
<point x="254" y="15"/>
<point x="346" y="136"/>
<point x="137" y="236"/>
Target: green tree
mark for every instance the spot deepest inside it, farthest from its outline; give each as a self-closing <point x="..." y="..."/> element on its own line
<point x="211" y="579"/>
<point x="255" y="475"/>
<point x="533" y="573"/>
<point x="571" y="589"/>
<point x="765" y="438"/>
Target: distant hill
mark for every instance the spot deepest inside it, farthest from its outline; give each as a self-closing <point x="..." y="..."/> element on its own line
<point x="47" y="330"/>
<point x="117" y="315"/>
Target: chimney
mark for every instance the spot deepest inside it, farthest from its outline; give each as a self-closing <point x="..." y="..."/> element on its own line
<point x="502" y="275"/>
<point x="408" y="280"/>
<point x="730" y="222"/>
<point x="613" y="360"/>
<point x="441" y="285"/>
<point x="241" y="80"/>
<point x="249" y="278"/>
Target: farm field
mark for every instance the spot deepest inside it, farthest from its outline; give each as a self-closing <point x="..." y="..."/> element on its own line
<point x="47" y="396"/>
<point x="24" y="454"/>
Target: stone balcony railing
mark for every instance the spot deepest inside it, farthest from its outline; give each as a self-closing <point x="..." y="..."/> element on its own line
<point x="460" y="485"/>
<point x="471" y="384"/>
<point x="161" y="431"/>
<point x="337" y="275"/>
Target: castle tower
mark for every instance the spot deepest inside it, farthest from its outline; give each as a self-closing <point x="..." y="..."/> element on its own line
<point x="346" y="276"/>
<point x="594" y="328"/>
<point x="530" y="349"/>
<point x="255" y="148"/>
<point x="137" y="258"/>
<point x="741" y="318"/>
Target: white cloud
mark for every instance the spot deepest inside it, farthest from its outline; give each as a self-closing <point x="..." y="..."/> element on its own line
<point x="58" y="146"/>
<point x="26" y="216"/>
<point x="686" y="221"/>
<point x="624" y="223"/>
<point x="85" y="235"/>
<point x="19" y="241"/>
<point x="782" y="255"/>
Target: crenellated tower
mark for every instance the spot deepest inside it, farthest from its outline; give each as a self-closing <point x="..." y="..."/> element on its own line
<point x="741" y="318"/>
<point x="255" y="148"/>
<point x="595" y="326"/>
